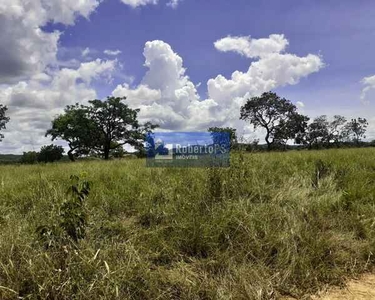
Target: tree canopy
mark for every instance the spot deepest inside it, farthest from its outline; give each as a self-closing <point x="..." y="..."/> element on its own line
<point x="100" y="127"/>
<point x="76" y="128"/>
<point x="277" y="116"/>
<point x="322" y="132"/>
<point x="356" y="129"/>
<point x="50" y="153"/>
<point x="3" y="119"/>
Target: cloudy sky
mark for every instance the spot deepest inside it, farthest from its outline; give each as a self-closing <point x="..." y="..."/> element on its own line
<point x="187" y="64"/>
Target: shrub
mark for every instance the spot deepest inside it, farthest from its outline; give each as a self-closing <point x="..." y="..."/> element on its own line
<point x="50" y="153"/>
<point x="29" y="158"/>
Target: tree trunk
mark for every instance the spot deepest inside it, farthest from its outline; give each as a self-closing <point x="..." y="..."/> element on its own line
<point x="267" y="140"/>
<point x="106" y="152"/>
<point x="71" y="155"/>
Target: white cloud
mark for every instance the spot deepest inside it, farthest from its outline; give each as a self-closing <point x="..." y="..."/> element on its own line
<point x="33" y="104"/>
<point x="165" y="91"/>
<point x="253" y="48"/>
<point x="112" y="52"/>
<point x="142" y="95"/>
<point x="85" y="52"/>
<point x="369" y="84"/>
<point x="173" y="3"/>
<point x="300" y="104"/>
<point x="66" y="11"/>
<point x="270" y="72"/>
<point x="26" y="49"/>
<point x="136" y="3"/>
<point x="167" y="96"/>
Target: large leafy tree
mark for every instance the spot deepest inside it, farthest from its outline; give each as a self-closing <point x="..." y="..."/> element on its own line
<point x="3" y="119"/>
<point x="117" y="125"/>
<point x="101" y="127"/>
<point x="75" y="127"/>
<point x="277" y="116"/>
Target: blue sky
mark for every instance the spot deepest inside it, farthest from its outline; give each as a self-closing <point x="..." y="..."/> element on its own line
<point x="186" y="83"/>
<point x="343" y="32"/>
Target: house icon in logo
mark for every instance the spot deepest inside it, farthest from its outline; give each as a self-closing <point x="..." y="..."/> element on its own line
<point x="162" y="151"/>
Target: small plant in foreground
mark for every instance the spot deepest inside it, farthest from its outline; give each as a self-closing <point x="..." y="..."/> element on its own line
<point x="72" y="220"/>
<point x="321" y="171"/>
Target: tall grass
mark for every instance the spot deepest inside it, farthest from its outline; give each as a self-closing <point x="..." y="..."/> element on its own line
<point x="271" y="225"/>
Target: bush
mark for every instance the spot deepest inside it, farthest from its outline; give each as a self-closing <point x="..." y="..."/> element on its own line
<point x="50" y="153"/>
<point x="29" y="158"/>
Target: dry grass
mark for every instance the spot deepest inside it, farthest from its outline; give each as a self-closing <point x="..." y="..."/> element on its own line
<point x="272" y="225"/>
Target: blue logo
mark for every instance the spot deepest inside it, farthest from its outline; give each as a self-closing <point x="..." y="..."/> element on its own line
<point x="188" y="149"/>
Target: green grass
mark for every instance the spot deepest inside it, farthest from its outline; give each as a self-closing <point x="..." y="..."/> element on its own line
<point x="273" y="224"/>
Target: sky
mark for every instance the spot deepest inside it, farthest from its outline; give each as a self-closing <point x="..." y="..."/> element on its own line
<point x="187" y="64"/>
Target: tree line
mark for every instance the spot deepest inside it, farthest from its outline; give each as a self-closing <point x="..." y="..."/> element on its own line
<point x="102" y="128"/>
<point x="282" y="123"/>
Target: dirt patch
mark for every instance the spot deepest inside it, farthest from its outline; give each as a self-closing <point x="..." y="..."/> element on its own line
<point x="358" y="289"/>
<point x="361" y="289"/>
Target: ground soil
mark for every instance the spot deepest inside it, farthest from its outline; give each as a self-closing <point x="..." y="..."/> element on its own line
<point x="362" y="288"/>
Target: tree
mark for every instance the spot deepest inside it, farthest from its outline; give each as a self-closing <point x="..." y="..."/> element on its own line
<point x="317" y="133"/>
<point x="231" y="132"/>
<point x="50" y="153"/>
<point x="337" y="129"/>
<point x="322" y="133"/>
<point x="276" y="115"/>
<point x="3" y="119"/>
<point x="117" y="125"/>
<point x="292" y="128"/>
<point x="100" y="127"/>
<point x="356" y="129"/>
<point x="75" y="127"/>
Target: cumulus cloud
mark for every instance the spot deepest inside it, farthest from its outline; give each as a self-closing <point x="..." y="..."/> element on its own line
<point x="165" y="91"/>
<point x="33" y="104"/>
<point x="25" y="48"/>
<point x="168" y="97"/>
<point x="112" y="52"/>
<point x="142" y="95"/>
<point x="253" y="48"/>
<point x="270" y="72"/>
<point x="369" y="85"/>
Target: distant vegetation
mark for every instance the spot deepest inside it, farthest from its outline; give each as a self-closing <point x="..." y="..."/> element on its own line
<point x="9" y="158"/>
<point x="280" y="120"/>
<point x="102" y="128"/>
<point x="47" y="154"/>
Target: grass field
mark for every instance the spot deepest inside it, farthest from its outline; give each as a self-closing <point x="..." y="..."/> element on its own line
<point x="272" y="225"/>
